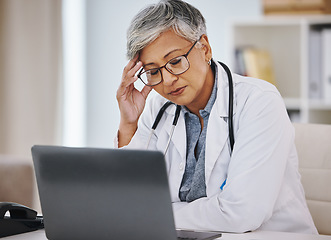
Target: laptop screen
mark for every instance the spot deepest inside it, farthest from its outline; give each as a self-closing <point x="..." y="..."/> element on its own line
<point x="89" y="193"/>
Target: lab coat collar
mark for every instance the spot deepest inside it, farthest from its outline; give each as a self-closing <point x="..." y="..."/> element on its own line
<point x="223" y="92"/>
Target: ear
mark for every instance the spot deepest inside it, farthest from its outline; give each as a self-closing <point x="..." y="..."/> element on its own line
<point x="206" y="47"/>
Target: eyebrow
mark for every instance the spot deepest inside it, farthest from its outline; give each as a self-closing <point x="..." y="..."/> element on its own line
<point x="164" y="57"/>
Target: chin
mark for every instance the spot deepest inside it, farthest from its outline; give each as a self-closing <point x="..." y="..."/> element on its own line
<point x="180" y="102"/>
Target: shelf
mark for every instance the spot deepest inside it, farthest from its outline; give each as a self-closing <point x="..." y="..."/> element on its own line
<point x="292" y="103"/>
<point x="319" y="105"/>
<point x="287" y="39"/>
<point x="284" y="20"/>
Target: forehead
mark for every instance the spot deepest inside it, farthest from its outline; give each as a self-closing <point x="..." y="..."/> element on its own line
<point x="166" y="46"/>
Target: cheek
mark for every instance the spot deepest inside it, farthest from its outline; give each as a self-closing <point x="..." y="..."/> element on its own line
<point x="199" y="66"/>
<point x="159" y="90"/>
<point x="198" y="74"/>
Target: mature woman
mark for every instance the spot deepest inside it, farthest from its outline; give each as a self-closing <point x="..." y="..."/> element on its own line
<point x="255" y="185"/>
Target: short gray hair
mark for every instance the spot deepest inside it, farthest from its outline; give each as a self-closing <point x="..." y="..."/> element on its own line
<point x="150" y="22"/>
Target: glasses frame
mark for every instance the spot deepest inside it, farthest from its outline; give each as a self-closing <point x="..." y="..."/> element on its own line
<point x="165" y="66"/>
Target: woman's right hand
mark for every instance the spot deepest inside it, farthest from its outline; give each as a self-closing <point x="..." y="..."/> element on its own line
<point x="131" y="101"/>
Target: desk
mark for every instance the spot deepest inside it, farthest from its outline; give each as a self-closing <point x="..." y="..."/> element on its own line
<point x="257" y="235"/>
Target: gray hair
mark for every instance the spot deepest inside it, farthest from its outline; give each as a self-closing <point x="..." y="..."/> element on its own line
<point x="150" y="22"/>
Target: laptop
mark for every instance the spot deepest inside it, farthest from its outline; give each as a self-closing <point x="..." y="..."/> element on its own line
<point x="91" y="193"/>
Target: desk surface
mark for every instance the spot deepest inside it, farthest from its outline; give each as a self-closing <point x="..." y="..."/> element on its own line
<point x="257" y="235"/>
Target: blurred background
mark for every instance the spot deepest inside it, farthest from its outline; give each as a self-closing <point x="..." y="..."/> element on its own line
<point x="61" y="62"/>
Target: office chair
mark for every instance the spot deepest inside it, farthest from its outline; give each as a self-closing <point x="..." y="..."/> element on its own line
<point x="313" y="142"/>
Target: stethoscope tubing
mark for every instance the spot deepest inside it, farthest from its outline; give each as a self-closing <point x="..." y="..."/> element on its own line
<point x="230" y="124"/>
<point x="178" y="109"/>
<point x="157" y="120"/>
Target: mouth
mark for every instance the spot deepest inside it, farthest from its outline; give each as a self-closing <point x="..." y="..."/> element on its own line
<point x="177" y="91"/>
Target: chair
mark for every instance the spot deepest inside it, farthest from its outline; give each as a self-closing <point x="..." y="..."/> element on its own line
<point x="313" y="142"/>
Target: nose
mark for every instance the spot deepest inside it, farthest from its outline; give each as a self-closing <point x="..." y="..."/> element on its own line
<point x="168" y="78"/>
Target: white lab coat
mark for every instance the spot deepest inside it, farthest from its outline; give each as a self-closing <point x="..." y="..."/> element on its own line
<point x="263" y="188"/>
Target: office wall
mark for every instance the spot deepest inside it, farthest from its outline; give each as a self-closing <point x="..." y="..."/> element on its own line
<point x="107" y="22"/>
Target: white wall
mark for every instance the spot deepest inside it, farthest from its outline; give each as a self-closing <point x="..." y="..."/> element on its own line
<point x="107" y="22"/>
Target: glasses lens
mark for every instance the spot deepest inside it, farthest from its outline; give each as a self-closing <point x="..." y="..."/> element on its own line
<point x="151" y="77"/>
<point x="178" y="65"/>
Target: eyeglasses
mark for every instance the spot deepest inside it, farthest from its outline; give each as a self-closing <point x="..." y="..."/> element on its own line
<point x="175" y="66"/>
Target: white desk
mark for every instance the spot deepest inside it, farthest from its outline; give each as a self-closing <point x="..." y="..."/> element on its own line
<point x="257" y="235"/>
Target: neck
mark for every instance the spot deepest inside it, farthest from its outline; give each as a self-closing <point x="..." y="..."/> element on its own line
<point x="205" y="94"/>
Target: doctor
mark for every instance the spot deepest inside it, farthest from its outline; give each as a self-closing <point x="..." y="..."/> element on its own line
<point x="255" y="186"/>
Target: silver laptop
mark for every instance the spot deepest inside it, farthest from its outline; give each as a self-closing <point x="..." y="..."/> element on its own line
<point x="89" y="193"/>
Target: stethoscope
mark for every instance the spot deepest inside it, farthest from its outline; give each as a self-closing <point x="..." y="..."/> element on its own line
<point x="178" y="108"/>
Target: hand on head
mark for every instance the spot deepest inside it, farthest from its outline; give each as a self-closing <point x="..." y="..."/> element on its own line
<point x="130" y="100"/>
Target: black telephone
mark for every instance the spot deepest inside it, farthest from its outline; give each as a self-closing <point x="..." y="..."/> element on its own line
<point x="22" y="219"/>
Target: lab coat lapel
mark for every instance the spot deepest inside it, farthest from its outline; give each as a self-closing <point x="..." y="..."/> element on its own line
<point x="217" y="136"/>
<point x="218" y="132"/>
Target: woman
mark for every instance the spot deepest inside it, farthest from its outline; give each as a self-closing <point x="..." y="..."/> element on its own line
<point x="254" y="186"/>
